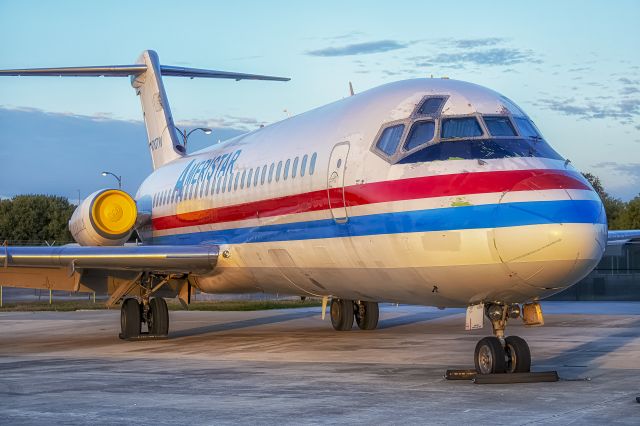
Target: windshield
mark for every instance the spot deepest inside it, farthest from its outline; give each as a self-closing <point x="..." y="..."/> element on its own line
<point x="482" y="149"/>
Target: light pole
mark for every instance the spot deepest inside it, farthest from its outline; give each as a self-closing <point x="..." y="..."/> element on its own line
<point x="185" y="135"/>
<point x="118" y="178"/>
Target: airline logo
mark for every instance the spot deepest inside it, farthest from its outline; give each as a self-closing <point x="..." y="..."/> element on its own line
<point x="198" y="171"/>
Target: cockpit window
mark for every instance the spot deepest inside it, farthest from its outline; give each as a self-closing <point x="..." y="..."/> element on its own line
<point x="431" y="106"/>
<point x="421" y="133"/>
<point x="466" y="127"/>
<point x="499" y="126"/>
<point x="390" y="138"/>
<point x="482" y="149"/>
<point x="526" y="128"/>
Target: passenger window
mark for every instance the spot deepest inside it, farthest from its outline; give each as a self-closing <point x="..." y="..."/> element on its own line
<point x="421" y="133"/>
<point x="278" y="170"/>
<point x="467" y="127"/>
<point x="202" y="188"/>
<point x="286" y="169"/>
<point x="390" y="138"/>
<point x="230" y="181"/>
<point x="303" y="166"/>
<point x="499" y="126"/>
<point x="312" y="164"/>
<point x="249" y="176"/>
<point x="295" y="168"/>
<point x="271" y="172"/>
<point x="235" y="184"/>
<point x="526" y="128"/>
<point x="264" y="174"/>
<point x="244" y="175"/>
<point x="431" y="106"/>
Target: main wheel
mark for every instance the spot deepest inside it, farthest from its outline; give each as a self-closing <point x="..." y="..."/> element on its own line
<point x="341" y="314"/>
<point x="130" y="321"/>
<point x="518" y="355"/>
<point x="489" y="356"/>
<point x="159" y="317"/>
<point x="367" y="314"/>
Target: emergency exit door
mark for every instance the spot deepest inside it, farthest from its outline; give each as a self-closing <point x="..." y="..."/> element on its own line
<point x="335" y="182"/>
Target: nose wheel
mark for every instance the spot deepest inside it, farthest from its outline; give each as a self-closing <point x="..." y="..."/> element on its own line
<point x="497" y="354"/>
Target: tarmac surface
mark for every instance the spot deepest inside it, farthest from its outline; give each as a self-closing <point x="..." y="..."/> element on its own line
<point x="289" y="367"/>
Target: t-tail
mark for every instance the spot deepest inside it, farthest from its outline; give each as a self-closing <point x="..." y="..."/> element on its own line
<point x="146" y="79"/>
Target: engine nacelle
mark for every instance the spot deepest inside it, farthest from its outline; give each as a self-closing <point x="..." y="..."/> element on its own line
<point x="104" y="218"/>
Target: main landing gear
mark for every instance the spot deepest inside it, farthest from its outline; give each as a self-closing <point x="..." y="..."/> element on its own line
<point x="499" y="354"/>
<point x="344" y="311"/>
<point x="151" y="311"/>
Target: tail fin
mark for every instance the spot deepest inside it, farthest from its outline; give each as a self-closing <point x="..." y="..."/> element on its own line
<point x="146" y="79"/>
<point x="161" y="131"/>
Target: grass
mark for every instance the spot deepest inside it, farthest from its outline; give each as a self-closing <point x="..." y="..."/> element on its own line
<point x="174" y="305"/>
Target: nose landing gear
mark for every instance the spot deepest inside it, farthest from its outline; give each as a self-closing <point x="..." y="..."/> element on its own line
<point x="498" y="354"/>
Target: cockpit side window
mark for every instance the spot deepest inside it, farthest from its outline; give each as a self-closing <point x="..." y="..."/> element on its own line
<point x="499" y="125"/>
<point x="421" y="133"/>
<point x="526" y="128"/>
<point x="465" y="127"/>
<point x="431" y="106"/>
<point x="390" y="139"/>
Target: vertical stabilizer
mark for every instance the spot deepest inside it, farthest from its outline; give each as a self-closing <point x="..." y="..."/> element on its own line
<point x="161" y="134"/>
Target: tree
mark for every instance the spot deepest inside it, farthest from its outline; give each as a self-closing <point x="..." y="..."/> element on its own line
<point x="630" y="217"/>
<point x="35" y="218"/>
<point x="614" y="207"/>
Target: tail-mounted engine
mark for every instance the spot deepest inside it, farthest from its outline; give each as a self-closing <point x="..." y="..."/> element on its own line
<point x="104" y="218"/>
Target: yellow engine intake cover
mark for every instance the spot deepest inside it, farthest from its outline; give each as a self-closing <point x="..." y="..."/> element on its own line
<point x="114" y="212"/>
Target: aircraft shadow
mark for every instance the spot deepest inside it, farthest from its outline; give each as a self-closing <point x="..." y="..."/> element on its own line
<point x="234" y="325"/>
<point x="584" y="354"/>
<point x="415" y="318"/>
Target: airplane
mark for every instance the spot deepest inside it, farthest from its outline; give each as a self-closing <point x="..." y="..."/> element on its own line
<point x="426" y="191"/>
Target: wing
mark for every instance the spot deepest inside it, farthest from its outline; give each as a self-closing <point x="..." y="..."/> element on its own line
<point x="622" y="237"/>
<point x="112" y="270"/>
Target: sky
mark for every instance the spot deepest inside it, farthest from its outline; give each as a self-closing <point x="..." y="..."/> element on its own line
<point x="573" y="66"/>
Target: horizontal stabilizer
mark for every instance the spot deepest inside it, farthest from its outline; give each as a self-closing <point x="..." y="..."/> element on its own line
<point x="129" y="70"/>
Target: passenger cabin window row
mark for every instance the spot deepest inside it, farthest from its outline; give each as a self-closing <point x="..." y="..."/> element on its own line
<point x="493" y="135"/>
<point x="242" y="179"/>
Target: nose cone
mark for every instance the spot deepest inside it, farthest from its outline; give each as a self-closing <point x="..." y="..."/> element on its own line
<point x="550" y="239"/>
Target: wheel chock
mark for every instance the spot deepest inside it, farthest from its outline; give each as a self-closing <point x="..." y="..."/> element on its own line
<point x="143" y="336"/>
<point x="502" y="378"/>
<point x="508" y="378"/>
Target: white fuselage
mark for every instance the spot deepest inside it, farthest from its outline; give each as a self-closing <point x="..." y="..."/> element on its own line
<point x="330" y="214"/>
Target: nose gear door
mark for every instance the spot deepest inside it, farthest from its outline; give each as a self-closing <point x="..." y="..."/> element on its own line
<point x="335" y="182"/>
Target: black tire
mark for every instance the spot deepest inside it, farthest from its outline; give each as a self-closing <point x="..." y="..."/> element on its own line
<point x="159" y="317"/>
<point x="518" y="355"/>
<point x="130" y="319"/>
<point x="368" y="321"/>
<point x="489" y="356"/>
<point x="341" y="314"/>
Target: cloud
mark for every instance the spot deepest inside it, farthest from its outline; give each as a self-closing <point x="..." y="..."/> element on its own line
<point x="630" y="170"/>
<point x="359" y="48"/>
<point x="59" y="153"/>
<point x="624" y="110"/>
<point x="629" y="90"/>
<point x="476" y="42"/>
<point x="491" y="57"/>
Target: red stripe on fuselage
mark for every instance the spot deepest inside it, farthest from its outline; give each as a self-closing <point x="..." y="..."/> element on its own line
<point x="379" y="192"/>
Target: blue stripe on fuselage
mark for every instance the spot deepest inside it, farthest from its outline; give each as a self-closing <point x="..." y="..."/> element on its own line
<point x="444" y="219"/>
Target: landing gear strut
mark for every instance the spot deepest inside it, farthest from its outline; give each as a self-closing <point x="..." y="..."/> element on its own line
<point x="498" y="354"/>
<point x="343" y="312"/>
<point x="152" y="311"/>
